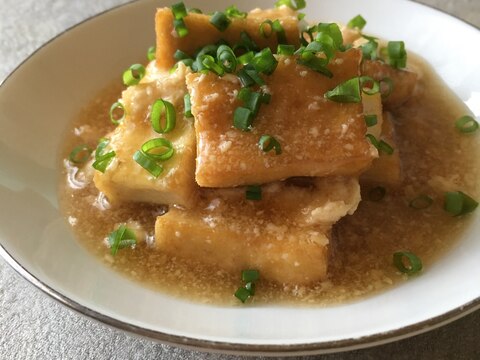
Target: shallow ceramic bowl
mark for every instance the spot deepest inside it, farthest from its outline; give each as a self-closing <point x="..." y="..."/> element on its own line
<point x="41" y="97"/>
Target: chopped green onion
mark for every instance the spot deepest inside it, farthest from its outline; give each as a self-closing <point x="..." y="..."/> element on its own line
<point x="386" y="87"/>
<point x="114" y="110"/>
<point x="264" y="62"/>
<point x="357" y="22"/>
<point x="301" y="16"/>
<point x="102" y="159"/>
<point x="121" y="238"/>
<point x="151" y="53"/>
<point x="287" y="50"/>
<point x="268" y="24"/>
<point x="220" y="21"/>
<point x="249" y="76"/>
<point x="250" y="286"/>
<point x="371" y="120"/>
<point x="397" y="56"/>
<point x="80" y="154"/>
<point x="466" y="124"/>
<point x="458" y="203"/>
<point x="243" y="119"/>
<point x="159" y="149"/>
<point x="188" y="106"/>
<point x="247" y="42"/>
<point x="195" y="11"/>
<point x="293" y="4"/>
<point x="180" y="27"/>
<point x="251" y="99"/>
<point x="273" y="26"/>
<point x="242" y="294"/>
<point x="159" y="108"/>
<point x="421" y="202"/>
<point x="266" y="98"/>
<point x="375" y="86"/>
<point x="381" y="145"/>
<point x="268" y="143"/>
<point x="253" y="192"/>
<point x="133" y="74"/>
<point x="316" y="64"/>
<point x="250" y="275"/>
<point x="414" y="263"/>
<point x="179" y="11"/>
<point x="233" y="12"/>
<point x="377" y="193"/>
<point x="180" y="55"/>
<point x="207" y="50"/>
<point x="209" y="63"/>
<point x="369" y="50"/>
<point x="332" y="30"/>
<point x="346" y="92"/>
<point x="226" y="58"/>
<point x="148" y="163"/>
<point x="246" y="58"/>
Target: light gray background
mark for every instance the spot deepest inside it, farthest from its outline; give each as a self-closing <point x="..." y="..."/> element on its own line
<point x="33" y="326"/>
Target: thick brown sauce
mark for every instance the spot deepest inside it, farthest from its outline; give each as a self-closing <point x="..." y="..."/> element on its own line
<point x="435" y="158"/>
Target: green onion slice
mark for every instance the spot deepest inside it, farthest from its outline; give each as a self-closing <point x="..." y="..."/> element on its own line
<point x="133" y="74"/>
<point x="266" y="28"/>
<point x="466" y="124"/>
<point x="381" y="145"/>
<point x="377" y="193"/>
<point x="159" y="149"/>
<point x="179" y="11"/>
<point x="331" y="30"/>
<point x="316" y="64"/>
<point x="180" y="27"/>
<point x="151" y="53"/>
<point x="369" y="50"/>
<point x="293" y="4"/>
<point x="242" y="294"/>
<point x="159" y="108"/>
<point x="371" y="120"/>
<point x="253" y="192"/>
<point x="357" y="22"/>
<point x="264" y="62"/>
<point x="80" y="154"/>
<point x="407" y="262"/>
<point x="117" y="113"/>
<point x="121" y="238"/>
<point x="250" y="275"/>
<point x="220" y="21"/>
<point x="252" y="100"/>
<point x="421" y="202"/>
<point x="346" y="92"/>
<point x="287" y="50"/>
<point x="247" y="42"/>
<point x="195" y="11"/>
<point x="226" y="58"/>
<point x="246" y="58"/>
<point x="209" y="63"/>
<point x="250" y="286"/>
<point x="180" y="55"/>
<point x="458" y="203"/>
<point x="268" y="143"/>
<point x="243" y="119"/>
<point x="369" y="86"/>
<point x="148" y="163"/>
<point x="233" y="12"/>
<point x="397" y="56"/>
<point x="102" y="159"/>
<point x="188" y="106"/>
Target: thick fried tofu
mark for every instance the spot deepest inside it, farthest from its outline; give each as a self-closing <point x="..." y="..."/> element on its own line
<point x="124" y="179"/>
<point x="318" y="137"/>
<point x="404" y="81"/>
<point x="202" y="32"/>
<point x="285" y="235"/>
<point x="387" y="168"/>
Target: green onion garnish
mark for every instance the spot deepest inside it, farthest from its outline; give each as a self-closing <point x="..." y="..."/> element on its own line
<point x="268" y="27"/>
<point x="209" y="63"/>
<point x="264" y="62"/>
<point x="287" y="50"/>
<point x="268" y="143"/>
<point x="242" y="294"/>
<point x="458" y="203"/>
<point x="102" y="159"/>
<point x="115" y="109"/>
<point x="195" y="11"/>
<point x="180" y="27"/>
<point x="243" y="119"/>
<point x="121" y="238"/>
<point x="466" y="124"/>
<point x="293" y="4"/>
<point x="226" y="58"/>
<point x="252" y="100"/>
<point x="80" y="154"/>
<point x="332" y="30"/>
<point x="249" y="76"/>
<point x="246" y="58"/>
<point x="413" y="266"/>
<point x="421" y="202"/>
<point x="253" y="192"/>
<point x="250" y="286"/>
<point x="346" y="92"/>
<point x="381" y="145"/>
<point x="233" y="12"/>
<point x="377" y="193"/>
<point x="159" y="149"/>
<point x="148" y="163"/>
<point x="220" y="21"/>
<point x="386" y="87"/>
<point x="133" y="74"/>
<point x="250" y="275"/>
<point x="365" y="82"/>
<point x="397" y="56"/>
<point x="316" y="64"/>
<point x="159" y="108"/>
<point x="246" y="42"/>
<point x="179" y="11"/>
<point x="151" y="53"/>
<point x="371" y="120"/>
<point x="357" y="22"/>
<point x="369" y="50"/>
<point x="180" y="55"/>
<point x="188" y="106"/>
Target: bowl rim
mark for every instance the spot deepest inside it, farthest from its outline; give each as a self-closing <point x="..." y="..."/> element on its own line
<point x="232" y="347"/>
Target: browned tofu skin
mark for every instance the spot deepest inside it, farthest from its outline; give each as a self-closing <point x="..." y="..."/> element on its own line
<point x="285" y="235"/>
<point x="318" y="137"/>
<point x="202" y="33"/>
<point x="404" y="81"/>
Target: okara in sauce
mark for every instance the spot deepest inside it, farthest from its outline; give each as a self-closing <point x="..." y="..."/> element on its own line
<point x="435" y="158"/>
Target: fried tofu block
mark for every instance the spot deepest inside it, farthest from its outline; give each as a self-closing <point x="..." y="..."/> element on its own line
<point x="124" y="179"/>
<point x="387" y="168"/>
<point x="285" y="235"/>
<point x="318" y="137"/>
<point x="202" y="32"/>
<point x="404" y="81"/>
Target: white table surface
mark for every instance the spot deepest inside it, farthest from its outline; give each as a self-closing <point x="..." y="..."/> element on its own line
<point x="33" y="326"/>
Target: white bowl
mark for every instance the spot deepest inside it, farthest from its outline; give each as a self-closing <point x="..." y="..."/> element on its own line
<point x="37" y="102"/>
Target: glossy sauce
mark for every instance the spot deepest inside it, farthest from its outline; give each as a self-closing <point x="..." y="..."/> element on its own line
<point x="435" y="158"/>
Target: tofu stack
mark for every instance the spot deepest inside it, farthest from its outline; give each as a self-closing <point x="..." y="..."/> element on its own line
<point x="304" y="190"/>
